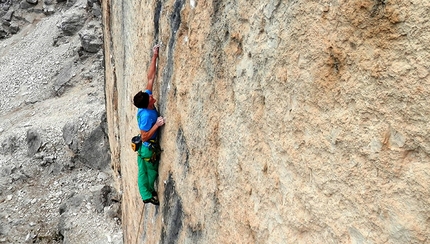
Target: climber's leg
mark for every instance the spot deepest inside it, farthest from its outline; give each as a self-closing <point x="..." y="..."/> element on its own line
<point x="146" y="186"/>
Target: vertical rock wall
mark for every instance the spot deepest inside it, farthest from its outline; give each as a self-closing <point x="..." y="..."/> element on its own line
<point x="287" y="121"/>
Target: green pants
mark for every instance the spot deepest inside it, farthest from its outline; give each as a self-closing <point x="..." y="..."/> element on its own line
<point x="147" y="174"/>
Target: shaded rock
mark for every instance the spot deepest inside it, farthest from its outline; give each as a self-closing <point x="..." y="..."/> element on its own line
<point x="39" y="155"/>
<point x="66" y="209"/>
<point x="32" y="1"/>
<point x="6" y="5"/>
<point x="92" y="2"/>
<point x="102" y="197"/>
<point x="72" y="22"/>
<point x="49" y="7"/>
<point x="14" y="28"/>
<point x="2" y="190"/>
<point x="96" y="10"/>
<point x="55" y="168"/>
<point x="113" y="211"/>
<point x="3" y="33"/>
<point x="70" y="3"/>
<point x="29" y="172"/>
<point x="10" y="145"/>
<point x="31" y="100"/>
<point x="49" y="159"/>
<point x="6" y="23"/>
<point x="19" y="175"/>
<point x="71" y="202"/>
<point x="49" y="2"/>
<point x="4" y="227"/>
<point x="90" y="41"/>
<point x="70" y="136"/>
<point x="63" y="79"/>
<point x="102" y="176"/>
<point x="95" y="7"/>
<point x="172" y="213"/>
<point x="26" y="4"/>
<point x="9" y="14"/>
<point x="75" y="201"/>
<point x="33" y="142"/>
<point x="6" y="171"/>
<point x="59" y="40"/>
<point x="37" y="9"/>
<point x="95" y="149"/>
<point x="63" y="226"/>
<point x="62" y="209"/>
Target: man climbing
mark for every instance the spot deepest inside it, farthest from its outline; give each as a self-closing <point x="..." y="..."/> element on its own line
<point x="148" y="121"/>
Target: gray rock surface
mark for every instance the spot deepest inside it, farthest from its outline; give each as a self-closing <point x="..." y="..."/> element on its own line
<point x="52" y="105"/>
<point x="33" y="141"/>
<point x="70" y="136"/>
<point x="94" y="151"/>
<point x="91" y="40"/>
<point x="73" y="21"/>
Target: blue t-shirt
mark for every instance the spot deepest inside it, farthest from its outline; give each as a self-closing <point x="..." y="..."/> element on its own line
<point x="146" y="118"/>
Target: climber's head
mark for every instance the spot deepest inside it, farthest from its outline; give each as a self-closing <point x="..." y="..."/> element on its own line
<point x="141" y="99"/>
<point x="151" y="101"/>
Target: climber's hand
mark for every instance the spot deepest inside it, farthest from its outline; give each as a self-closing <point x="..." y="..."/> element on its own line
<point x="160" y="121"/>
<point x="155" y="49"/>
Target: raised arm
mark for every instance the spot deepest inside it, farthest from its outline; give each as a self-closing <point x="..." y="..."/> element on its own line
<point x="152" y="68"/>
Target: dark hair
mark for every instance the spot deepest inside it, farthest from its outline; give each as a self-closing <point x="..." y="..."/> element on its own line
<point x="141" y="100"/>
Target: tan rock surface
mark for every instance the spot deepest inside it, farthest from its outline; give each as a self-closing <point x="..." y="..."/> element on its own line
<point x="287" y="121"/>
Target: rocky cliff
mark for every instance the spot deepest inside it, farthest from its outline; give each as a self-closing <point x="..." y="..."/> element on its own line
<point x="287" y="121"/>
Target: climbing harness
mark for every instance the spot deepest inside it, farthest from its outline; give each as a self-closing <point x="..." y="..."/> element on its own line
<point x="155" y="148"/>
<point x="152" y="145"/>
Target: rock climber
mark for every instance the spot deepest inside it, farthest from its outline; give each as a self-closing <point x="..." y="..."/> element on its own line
<point x="148" y="121"/>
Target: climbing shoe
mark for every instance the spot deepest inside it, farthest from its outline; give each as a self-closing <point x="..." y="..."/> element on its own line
<point x="154" y="195"/>
<point x="152" y="200"/>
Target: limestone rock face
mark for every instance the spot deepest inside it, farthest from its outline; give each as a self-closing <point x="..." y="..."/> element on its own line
<point x="287" y="121"/>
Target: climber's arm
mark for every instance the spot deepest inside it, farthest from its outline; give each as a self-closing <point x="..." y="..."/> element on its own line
<point x="152" y="68"/>
<point x="146" y="135"/>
